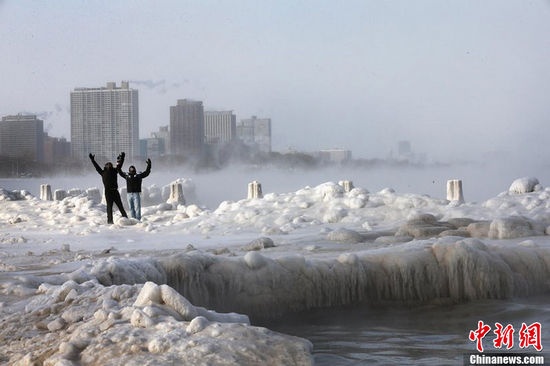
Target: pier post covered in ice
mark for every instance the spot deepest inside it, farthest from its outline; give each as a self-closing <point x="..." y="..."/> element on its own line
<point x="94" y="195"/>
<point x="46" y="192"/>
<point x="454" y="190"/>
<point x="255" y="190"/>
<point x="59" y="194"/>
<point x="347" y="184"/>
<point x="176" y="194"/>
<point x="74" y="192"/>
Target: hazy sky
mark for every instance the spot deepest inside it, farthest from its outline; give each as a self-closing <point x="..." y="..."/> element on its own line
<point x="455" y="77"/>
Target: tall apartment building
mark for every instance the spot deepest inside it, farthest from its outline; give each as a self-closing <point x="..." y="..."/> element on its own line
<point x="22" y="136"/>
<point x="187" y="127"/>
<point x="56" y="150"/>
<point x="105" y="122"/>
<point x="256" y="132"/>
<point x="220" y="127"/>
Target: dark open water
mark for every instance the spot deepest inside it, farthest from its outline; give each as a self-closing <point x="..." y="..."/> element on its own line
<point x="424" y="335"/>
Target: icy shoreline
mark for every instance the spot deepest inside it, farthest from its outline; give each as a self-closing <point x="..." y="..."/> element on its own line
<point x="73" y="288"/>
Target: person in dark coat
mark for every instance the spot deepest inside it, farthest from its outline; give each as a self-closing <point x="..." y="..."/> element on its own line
<point x="133" y="186"/>
<point x="110" y="183"/>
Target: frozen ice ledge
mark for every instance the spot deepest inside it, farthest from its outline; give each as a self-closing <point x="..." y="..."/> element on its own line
<point x="448" y="269"/>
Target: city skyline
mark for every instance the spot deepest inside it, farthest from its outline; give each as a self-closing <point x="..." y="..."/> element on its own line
<point x="105" y="121"/>
<point x="456" y="78"/>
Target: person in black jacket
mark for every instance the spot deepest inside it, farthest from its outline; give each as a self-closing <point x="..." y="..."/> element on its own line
<point x="133" y="186"/>
<point x="109" y="177"/>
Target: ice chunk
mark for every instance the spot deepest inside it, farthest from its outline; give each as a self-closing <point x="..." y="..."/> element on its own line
<point x="177" y="302"/>
<point x="513" y="227"/>
<point x="260" y="243"/>
<point x="197" y="324"/>
<point x="150" y="293"/>
<point x="345" y="236"/>
<point x="254" y="260"/>
<point x="524" y="185"/>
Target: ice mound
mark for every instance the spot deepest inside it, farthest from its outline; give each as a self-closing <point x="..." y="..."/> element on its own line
<point x="145" y="324"/>
<point x="6" y="195"/>
<point x="524" y="185"/>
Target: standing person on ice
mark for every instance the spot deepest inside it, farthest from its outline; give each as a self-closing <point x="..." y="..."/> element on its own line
<point x="110" y="183"/>
<point x="133" y="185"/>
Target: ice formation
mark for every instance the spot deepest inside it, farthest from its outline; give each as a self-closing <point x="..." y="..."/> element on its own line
<point x="146" y="324"/>
<point x="448" y="269"/>
<point x="524" y="185"/>
<point x="190" y="283"/>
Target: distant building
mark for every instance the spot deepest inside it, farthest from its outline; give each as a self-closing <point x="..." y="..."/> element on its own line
<point x="56" y="150"/>
<point x="22" y="136"/>
<point x="256" y="132"/>
<point x="404" y="148"/>
<point x="335" y="155"/>
<point x="220" y="127"/>
<point x="105" y="122"/>
<point x="163" y="134"/>
<point x="152" y="147"/>
<point x="187" y="128"/>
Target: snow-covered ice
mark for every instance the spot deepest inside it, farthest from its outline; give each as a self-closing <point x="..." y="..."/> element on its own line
<point x="188" y="284"/>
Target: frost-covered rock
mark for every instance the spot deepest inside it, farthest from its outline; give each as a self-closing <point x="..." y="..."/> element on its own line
<point x="260" y="243"/>
<point x="524" y="185"/>
<point x="514" y="227"/>
<point x="479" y="229"/>
<point x="423" y="226"/>
<point x="345" y="236"/>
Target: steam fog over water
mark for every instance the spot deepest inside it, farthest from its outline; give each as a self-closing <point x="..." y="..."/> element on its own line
<point x="480" y="181"/>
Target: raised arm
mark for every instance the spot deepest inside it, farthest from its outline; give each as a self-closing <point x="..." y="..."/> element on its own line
<point x="97" y="167"/>
<point x="120" y="162"/>
<point x="121" y="173"/>
<point x="147" y="170"/>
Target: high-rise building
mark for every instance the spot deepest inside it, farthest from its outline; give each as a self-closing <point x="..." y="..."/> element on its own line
<point x="56" y="150"/>
<point x="219" y="127"/>
<point x="157" y="145"/>
<point x="152" y="147"/>
<point x="256" y="132"/>
<point x="335" y="155"/>
<point x="187" y="128"/>
<point x="22" y="136"/>
<point x="105" y="121"/>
